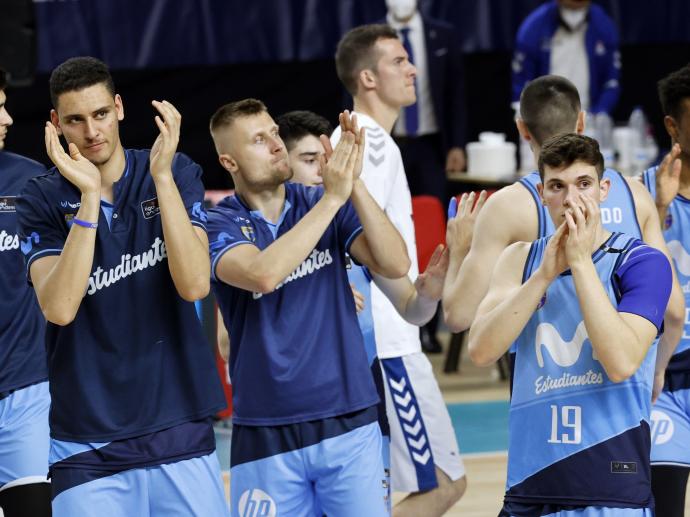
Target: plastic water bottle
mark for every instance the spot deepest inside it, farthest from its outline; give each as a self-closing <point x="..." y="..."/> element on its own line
<point x="605" y="137"/>
<point x="638" y="123"/>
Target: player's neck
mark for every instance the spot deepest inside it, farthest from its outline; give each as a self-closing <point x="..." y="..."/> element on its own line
<point x="111" y="171"/>
<point x="269" y="202"/>
<point x="384" y="115"/>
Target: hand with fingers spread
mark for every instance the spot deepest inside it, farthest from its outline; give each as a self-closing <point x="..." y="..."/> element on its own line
<point x="165" y="146"/>
<point x="73" y="166"/>
<point x="461" y="219"/>
<point x="582" y="220"/>
<point x="338" y="171"/>
<point x="430" y="283"/>
<point x="555" y="261"/>
<point x="668" y="178"/>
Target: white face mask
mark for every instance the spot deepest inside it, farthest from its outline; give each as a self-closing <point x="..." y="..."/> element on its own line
<point x="401" y="9"/>
<point x="573" y="17"/>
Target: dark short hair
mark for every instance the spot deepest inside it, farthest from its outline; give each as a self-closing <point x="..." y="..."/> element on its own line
<point x="78" y="73"/>
<point x="549" y="105"/>
<point x="295" y="125"/>
<point x="3" y="79"/>
<point x="356" y="52"/>
<point x="228" y="113"/>
<point x="672" y="90"/>
<point x="563" y="150"/>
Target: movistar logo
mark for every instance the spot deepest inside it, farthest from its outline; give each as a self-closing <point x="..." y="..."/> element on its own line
<point x="563" y="353"/>
<point x="129" y="264"/>
<point x="67" y="204"/>
<point x="28" y="243"/>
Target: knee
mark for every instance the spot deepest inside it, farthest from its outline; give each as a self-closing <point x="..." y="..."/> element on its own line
<point x="456" y="489"/>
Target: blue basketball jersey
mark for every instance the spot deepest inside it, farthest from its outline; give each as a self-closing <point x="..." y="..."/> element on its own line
<point x="134" y="360"/>
<point x="617" y="212"/>
<point x="577" y="438"/>
<point x="677" y="236"/>
<point x="297" y="353"/>
<point x="22" y="327"/>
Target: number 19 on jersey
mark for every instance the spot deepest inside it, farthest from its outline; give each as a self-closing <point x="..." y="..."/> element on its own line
<point x="566" y="424"/>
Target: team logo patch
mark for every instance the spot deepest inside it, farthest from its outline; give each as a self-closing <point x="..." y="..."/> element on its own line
<point x="257" y="503"/>
<point x="150" y="208"/>
<point x="248" y="232"/>
<point x="67" y="204"/>
<point x="28" y="243"/>
<point x="7" y="204"/>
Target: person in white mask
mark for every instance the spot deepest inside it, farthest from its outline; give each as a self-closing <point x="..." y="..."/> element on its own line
<point x="574" y="39"/>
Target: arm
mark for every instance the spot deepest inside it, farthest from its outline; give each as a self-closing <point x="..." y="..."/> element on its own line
<point x="186" y="246"/>
<point x="509" y="216"/>
<point x="222" y="337"/>
<point x="247" y="267"/>
<point x="417" y="303"/>
<point x="647" y="210"/>
<point x="620" y="338"/>
<point x="60" y="281"/>
<point x="380" y="246"/>
<point x="507" y="307"/>
<point x="610" y="75"/>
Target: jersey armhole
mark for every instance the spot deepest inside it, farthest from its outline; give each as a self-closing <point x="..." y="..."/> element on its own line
<point x="537" y="205"/>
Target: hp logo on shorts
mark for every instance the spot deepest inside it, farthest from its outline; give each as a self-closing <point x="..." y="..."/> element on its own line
<point x="662" y="427"/>
<point x="257" y="503"/>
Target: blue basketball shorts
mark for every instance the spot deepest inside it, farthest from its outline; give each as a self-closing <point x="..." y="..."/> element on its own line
<point x="670" y="428"/>
<point x="332" y="466"/>
<point x="186" y="488"/>
<point x="24" y="436"/>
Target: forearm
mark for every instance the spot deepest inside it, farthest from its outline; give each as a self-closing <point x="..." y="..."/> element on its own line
<point x="188" y="259"/>
<point x="493" y="332"/>
<point x="415" y="308"/>
<point x="615" y="344"/>
<point x="674" y="324"/>
<point x="462" y="292"/>
<point x="273" y="264"/>
<point x="61" y="289"/>
<point x="385" y="243"/>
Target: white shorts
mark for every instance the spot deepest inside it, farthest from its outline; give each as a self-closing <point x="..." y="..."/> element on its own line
<point x="422" y="434"/>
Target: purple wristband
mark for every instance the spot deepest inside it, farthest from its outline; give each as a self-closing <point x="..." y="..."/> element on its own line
<point x="85" y="224"/>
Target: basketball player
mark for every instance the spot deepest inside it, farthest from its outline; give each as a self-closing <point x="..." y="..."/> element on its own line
<point x="550" y="105"/>
<point x="671" y="413"/>
<point x="305" y="431"/>
<point x="583" y="310"/>
<point x="116" y="249"/>
<point x="425" y="461"/>
<point x="24" y="397"/>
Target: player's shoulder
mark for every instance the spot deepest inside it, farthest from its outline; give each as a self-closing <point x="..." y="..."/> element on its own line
<point x="513" y="199"/>
<point x="20" y="164"/>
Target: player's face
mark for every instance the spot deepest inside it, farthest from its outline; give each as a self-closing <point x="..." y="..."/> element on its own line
<point x="89" y="118"/>
<point x="395" y="74"/>
<point x="680" y="130"/>
<point x="5" y="119"/>
<point x="304" y="161"/>
<point x="259" y="152"/>
<point x="562" y="188"/>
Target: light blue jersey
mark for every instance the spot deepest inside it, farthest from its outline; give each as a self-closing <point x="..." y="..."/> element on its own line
<point x="617" y="212"/>
<point x="576" y="437"/>
<point x="677" y="237"/>
<point x="671" y="413"/>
